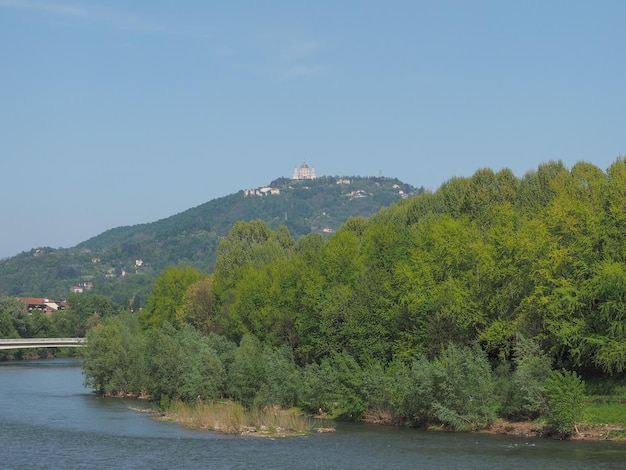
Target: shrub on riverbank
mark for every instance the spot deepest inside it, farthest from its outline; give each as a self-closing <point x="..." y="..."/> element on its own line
<point x="565" y="392"/>
<point x="457" y="389"/>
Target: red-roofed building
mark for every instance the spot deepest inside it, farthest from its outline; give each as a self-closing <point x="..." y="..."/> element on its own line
<point x="47" y="306"/>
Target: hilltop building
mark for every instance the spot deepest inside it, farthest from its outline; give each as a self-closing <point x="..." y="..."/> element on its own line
<point x="304" y="172"/>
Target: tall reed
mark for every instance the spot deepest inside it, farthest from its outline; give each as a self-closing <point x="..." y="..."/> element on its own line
<point x="232" y="418"/>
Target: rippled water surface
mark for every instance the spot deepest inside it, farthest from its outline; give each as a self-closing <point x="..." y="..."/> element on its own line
<point x="49" y="420"/>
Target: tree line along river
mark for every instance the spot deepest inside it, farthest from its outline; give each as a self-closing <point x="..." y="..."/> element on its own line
<point x="48" y="419"/>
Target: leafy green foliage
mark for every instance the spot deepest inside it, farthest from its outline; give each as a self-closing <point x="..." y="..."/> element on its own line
<point x="181" y="364"/>
<point x="456" y="389"/>
<point x="197" y="306"/>
<point x="282" y="384"/>
<point x="566" y="399"/>
<point x="87" y="310"/>
<point x="523" y="392"/>
<point x="463" y="386"/>
<point x="113" y="356"/>
<point x="406" y="311"/>
<point x="333" y="386"/>
<point x="347" y="378"/>
<point x="415" y="391"/>
<point x="247" y="372"/>
<point x="13" y="318"/>
<point x="168" y="296"/>
<point x="482" y="259"/>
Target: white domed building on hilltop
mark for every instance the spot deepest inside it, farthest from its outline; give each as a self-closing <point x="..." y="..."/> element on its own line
<point x="304" y="172"/>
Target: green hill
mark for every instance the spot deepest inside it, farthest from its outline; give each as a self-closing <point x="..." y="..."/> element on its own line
<point x="123" y="262"/>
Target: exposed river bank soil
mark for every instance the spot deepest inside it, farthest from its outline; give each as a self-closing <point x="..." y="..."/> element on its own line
<point x="586" y="432"/>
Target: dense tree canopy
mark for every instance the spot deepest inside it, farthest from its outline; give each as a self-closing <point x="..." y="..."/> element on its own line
<point x="489" y="282"/>
<point x="482" y="259"/>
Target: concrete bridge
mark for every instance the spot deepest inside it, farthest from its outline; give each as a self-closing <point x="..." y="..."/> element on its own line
<point x="27" y="343"/>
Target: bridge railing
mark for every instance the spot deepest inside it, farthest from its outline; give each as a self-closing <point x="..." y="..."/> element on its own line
<point x="29" y="343"/>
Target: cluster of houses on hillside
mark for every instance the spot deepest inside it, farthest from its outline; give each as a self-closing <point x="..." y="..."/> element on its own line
<point x="261" y="191"/>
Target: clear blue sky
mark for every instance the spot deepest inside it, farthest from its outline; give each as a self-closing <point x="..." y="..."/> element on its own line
<point x="116" y="112"/>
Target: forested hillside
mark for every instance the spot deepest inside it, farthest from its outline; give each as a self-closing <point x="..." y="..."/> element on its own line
<point x="489" y="298"/>
<point x="123" y="262"/>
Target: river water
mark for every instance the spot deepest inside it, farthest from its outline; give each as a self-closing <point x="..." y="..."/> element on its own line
<point x="49" y="420"/>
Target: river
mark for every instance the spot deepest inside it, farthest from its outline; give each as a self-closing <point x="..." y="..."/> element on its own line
<point x="49" y="420"/>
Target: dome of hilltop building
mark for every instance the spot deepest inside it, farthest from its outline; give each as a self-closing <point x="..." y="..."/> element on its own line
<point x="304" y="172"/>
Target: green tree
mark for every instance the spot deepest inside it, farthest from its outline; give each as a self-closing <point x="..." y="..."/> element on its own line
<point x="247" y="372"/>
<point x="377" y="320"/>
<point x="282" y="383"/>
<point x="614" y="215"/>
<point x="347" y="375"/>
<point x="167" y="296"/>
<point x="114" y="354"/>
<point x="164" y="366"/>
<point x="318" y="391"/>
<point x="12" y="316"/>
<point x="249" y="248"/>
<point x="198" y="306"/>
<point x="203" y="374"/>
<point x="41" y="325"/>
<point x="437" y="283"/>
<point x="523" y="392"/>
<point x="452" y="194"/>
<point x="463" y="389"/>
<point x="182" y="364"/>
<point x="535" y="191"/>
<point x="602" y="339"/>
<point x="415" y="391"/>
<point x="84" y="312"/>
<point x="334" y="386"/>
<point x="566" y="400"/>
<point x="247" y="244"/>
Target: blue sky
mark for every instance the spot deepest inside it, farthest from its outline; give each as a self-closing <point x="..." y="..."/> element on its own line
<point x="116" y="113"/>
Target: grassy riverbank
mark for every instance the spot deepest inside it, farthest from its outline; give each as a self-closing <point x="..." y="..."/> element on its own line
<point x="232" y="418"/>
<point x="605" y="409"/>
